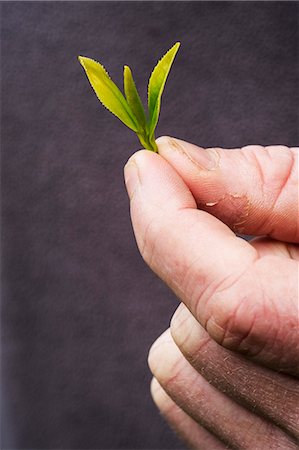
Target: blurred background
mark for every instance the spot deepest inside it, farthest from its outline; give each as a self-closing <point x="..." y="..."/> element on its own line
<point x="79" y="307"/>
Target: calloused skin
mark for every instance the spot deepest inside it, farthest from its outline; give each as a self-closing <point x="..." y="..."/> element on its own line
<point x="225" y="374"/>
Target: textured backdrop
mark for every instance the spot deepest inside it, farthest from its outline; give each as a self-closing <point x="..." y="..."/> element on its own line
<point x="79" y="307"/>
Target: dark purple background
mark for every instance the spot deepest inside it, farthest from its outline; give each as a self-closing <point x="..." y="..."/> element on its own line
<point x="79" y="307"/>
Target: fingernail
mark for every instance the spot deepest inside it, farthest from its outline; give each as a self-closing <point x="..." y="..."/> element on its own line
<point x="207" y="159"/>
<point x="131" y="177"/>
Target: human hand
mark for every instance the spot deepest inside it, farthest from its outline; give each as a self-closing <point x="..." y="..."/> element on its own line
<point x="225" y="373"/>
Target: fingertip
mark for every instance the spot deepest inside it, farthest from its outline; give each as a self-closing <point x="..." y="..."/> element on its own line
<point x="155" y="389"/>
<point x="163" y="141"/>
<point x="139" y="155"/>
<point x="134" y="169"/>
<point x="161" y="185"/>
<point x="157" y="349"/>
<point x="186" y="156"/>
<point x="160" y="397"/>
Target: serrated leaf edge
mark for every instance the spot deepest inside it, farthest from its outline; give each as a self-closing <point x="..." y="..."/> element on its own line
<point x="149" y="82"/>
<point x="143" y="121"/>
<point x="128" y="110"/>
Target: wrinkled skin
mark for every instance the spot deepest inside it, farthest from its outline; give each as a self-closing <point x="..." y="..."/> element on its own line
<point x="225" y="374"/>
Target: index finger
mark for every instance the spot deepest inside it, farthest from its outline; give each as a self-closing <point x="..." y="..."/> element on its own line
<point x="254" y="189"/>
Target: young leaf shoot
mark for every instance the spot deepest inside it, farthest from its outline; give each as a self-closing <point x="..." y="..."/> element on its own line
<point x="129" y="108"/>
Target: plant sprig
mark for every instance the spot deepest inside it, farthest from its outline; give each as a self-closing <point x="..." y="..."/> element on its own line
<point x="129" y="108"/>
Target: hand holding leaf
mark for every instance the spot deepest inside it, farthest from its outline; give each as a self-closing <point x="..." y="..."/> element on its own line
<point x="129" y="109"/>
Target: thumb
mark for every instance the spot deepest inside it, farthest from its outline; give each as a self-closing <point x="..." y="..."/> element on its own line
<point x="254" y="190"/>
<point x="246" y="302"/>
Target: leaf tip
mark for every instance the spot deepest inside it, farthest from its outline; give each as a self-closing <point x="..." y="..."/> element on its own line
<point x="175" y="47"/>
<point x="83" y="60"/>
<point x="127" y="69"/>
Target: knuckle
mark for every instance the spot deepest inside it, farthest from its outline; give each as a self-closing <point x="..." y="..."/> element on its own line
<point x="267" y="197"/>
<point x="233" y="312"/>
<point x="245" y="315"/>
<point x="285" y="175"/>
<point x="276" y="173"/>
<point x="276" y="167"/>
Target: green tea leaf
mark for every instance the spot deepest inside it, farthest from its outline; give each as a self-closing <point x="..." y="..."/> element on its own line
<point x="108" y="93"/>
<point x="130" y="109"/>
<point x="133" y="98"/>
<point x="146" y="143"/>
<point x="156" y="86"/>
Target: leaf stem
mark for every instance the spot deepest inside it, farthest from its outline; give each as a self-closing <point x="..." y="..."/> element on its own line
<point x="148" y="144"/>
